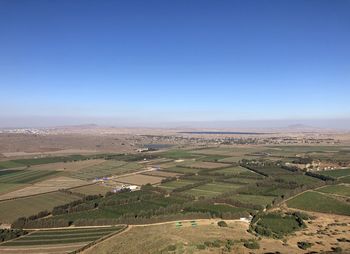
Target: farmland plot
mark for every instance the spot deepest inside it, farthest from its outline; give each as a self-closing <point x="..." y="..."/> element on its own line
<point x="57" y="241"/>
<point x="53" y="184"/>
<point x="139" y="179"/>
<point x="107" y="168"/>
<point x="317" y="202"/>
<point x="13" y="209"/>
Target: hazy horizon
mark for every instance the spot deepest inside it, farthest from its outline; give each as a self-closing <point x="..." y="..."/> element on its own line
<point x="48" y="122"/>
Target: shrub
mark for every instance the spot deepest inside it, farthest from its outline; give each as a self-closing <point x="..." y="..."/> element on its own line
<point x="222" y="223"/>
<point x="252" y="244"/>
<point x="304" y="245"/>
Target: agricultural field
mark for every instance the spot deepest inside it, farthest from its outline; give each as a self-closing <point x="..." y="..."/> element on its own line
<point x="337" y="173"/>
<point x="107" y="168"/>
<point x="317" y="202"/>
<point x="176" y="184"/>
<point x="93" y="189"/>
<point x="25" y="176"/>
<point x="341" y="190"/>
<point x="8" y="187"/>
<point x="345" y="179"/>
<point x="50" y="185"/>
<point x="58" y="240"/>
<point x="13" y="209"/>
<point x="10" y="164"/>
<point x="212" y="189"/>
<point x="231" y="171"/>
<point x="139" y="179"/>
<point x="205" y="165"/>
<point x="178" y="154"/>
<point x="182" y="170"/>
<point x="253" y="199"/>
<point x="161" y="173"/>
<point x="69" y="166"/>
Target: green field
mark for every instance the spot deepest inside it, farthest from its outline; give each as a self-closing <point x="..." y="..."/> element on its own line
<point x="345" y="179"/>
<point x="64" y="236"/>
<point x="336" y="173"/>
<point x="24" y="176"/>
<point x="336" y="189"/>
<point x="182" y="170"/>
<point x="8" y="187"/>
<point x="108" y="168"/>
<point x="317" y="202"/>
<point x="212" y="189"/>
<point x="230" y="171"/>
<point x="253" y="199"/>
<point x="10" y="164"/>
<point x="176" y="184"/>
<point x="179" y="154"/>
<point x="91" y="189"/>
<point x="13" y="209"/>
<point x="216" y="210"/>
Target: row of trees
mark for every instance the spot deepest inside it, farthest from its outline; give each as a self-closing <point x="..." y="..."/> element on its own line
<point x="8" y="234"/>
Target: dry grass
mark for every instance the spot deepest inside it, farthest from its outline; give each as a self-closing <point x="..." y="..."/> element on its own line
<point x="153" y="239"/>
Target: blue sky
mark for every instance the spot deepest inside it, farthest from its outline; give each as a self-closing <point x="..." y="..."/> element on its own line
<point x="168" y="61"/>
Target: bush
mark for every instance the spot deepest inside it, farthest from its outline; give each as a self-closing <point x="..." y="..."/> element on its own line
<point x="222" y="223"/>
<point x="252" y="244"/>
<point x="304" y="245"/>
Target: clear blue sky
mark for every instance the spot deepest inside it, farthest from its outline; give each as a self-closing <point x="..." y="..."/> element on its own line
<point x="175" y="60"/>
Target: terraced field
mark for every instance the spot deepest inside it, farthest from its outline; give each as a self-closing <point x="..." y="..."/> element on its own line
<point x="13" y="209"/>
<point x="60" y="240"/>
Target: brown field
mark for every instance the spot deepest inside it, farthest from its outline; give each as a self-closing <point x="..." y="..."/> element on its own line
<point x="68" y="166"/>
<point x="138" y="179"/>
<point x="49" y="185"/>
